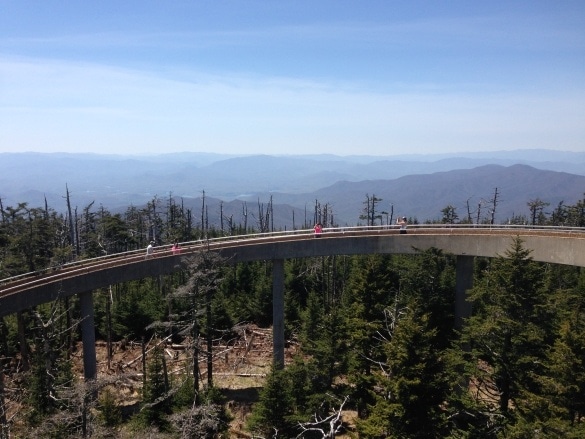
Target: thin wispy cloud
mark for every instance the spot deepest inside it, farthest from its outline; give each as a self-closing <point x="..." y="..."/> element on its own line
<point x="447" y="80"/>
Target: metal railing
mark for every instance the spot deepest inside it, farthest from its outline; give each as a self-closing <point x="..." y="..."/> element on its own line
<point x="83" y="266"/>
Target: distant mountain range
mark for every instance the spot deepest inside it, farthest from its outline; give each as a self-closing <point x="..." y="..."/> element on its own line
<point x="411" y="185"/>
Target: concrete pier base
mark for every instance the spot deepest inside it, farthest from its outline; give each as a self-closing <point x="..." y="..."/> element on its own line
<point x="278" y="312"/>
<point x="464" y="281"/>
<point x="88" y="335"/>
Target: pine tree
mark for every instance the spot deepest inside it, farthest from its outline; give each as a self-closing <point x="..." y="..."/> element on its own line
<point x="427" y="279"/>
<point x="271" y="413"/>
<point x="411" y="381"/>
<point x="408" y="397"/>
<point x="136" y="309"/>
<point x="562" y="406"/>
<point x="110" y="412"/>
<point x="369" y="292"/>
<point x="504" y="343"/>
<point x="155" y="394"/>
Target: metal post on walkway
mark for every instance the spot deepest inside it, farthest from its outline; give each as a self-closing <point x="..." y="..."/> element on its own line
<point x="88" y="335"/>
<point x="463" y="282"/>
<point x="278" y="312"/>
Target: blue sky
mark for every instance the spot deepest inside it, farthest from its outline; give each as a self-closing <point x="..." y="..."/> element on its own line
<point x="291" y="77"/>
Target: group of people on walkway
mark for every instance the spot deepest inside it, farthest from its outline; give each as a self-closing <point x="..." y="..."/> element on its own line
<point x="400" y="221"/>
<point x="318" y="229"/>
<point x="176" y="249"/>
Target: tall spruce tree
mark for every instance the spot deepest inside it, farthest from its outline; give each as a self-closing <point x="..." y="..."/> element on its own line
<point x="370" y="289"/>
<point x="411" y="380"/>
<point x="559" y="411"/>
<point x="271" y="414"/>
<point x="411" y="384"/>
<point x="503" y="344"/>
<point x="155" y="394"/>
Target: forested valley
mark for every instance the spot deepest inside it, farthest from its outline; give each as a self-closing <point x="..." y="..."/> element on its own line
<point x="371" y="336"/>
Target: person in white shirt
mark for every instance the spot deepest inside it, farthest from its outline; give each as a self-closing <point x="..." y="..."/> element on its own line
<point x="149" y="250"/>
<point x="401" y="221"/>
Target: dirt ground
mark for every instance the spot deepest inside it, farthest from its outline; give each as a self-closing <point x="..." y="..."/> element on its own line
<point x="240" y="366"/>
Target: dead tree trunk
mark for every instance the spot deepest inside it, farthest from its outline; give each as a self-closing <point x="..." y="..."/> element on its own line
<point x="24" y="350"/>
<point x="494" y="205"/>
<point x="209" y="337"/>
<point x="204" y="232"/>
<point x="245" y="216"/>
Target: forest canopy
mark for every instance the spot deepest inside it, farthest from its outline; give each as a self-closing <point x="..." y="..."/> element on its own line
<point x="374" y="335"/>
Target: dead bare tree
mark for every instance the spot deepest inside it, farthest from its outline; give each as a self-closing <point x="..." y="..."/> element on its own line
<point x="70" y="217"/>
<point x="204" y="270"/>
<point x="4" y="427"/>
<point x="265" y="217"/>
<point x="327" y="215"/>
<point x="245" y="215"/>
<point x="369" y="211"/>
<point x="221" y="216"/>
<point x="230" y="225"/>
<point x="203" y="229"/>
<point x="317" y="213"/>
<point x="536" y="207"/>
<point x="329" y="426"/>
<point x="389" y="215"/>
<point x="494" y="202"/>
<point x="203" y="421"/>
<point x="468" y="206"/>
<point x="79" y="409"/>
<point x="271" y="215"/>
<point x="478" y="216"/>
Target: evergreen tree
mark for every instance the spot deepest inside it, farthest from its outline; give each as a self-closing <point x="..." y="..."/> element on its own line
<point x="324" y="338"/>
<point x="504" y="343"/>
<point x="241" y="288"/>
<point x="411" y="380"/>
<point x="138" y="306"/>
<point x="51" y="373"/>
<point x="427" y="279"/>
<point x="39" y="389"/>
<point x="370" y="288"/>
<point x="576" y="214"/>
<point x="110" y="412"/>
<point x="271" y="414"/>
<point x="450" y="215"/>
<point x="559" y="411"/>
<point x="31" y="236"/>
<point x="411" y="384"/>
<point x="155" y="394"/>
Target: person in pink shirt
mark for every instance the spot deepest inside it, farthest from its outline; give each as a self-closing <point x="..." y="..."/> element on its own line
<point x="318" y="229"/>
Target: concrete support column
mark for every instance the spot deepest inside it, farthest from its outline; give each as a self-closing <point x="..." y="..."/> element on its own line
<point x="88" y="335"/>
<point x="463" y="282"/>
<point x="278" y="312"/>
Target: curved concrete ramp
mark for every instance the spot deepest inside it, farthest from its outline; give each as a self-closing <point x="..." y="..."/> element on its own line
<point x="557" y="246"/>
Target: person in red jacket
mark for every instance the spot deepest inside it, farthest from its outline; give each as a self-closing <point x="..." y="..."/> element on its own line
<point x="318" y="229"/>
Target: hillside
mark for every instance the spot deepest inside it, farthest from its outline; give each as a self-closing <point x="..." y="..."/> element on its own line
<point x="424" y="196"/>
<point x="416" y="186"/>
